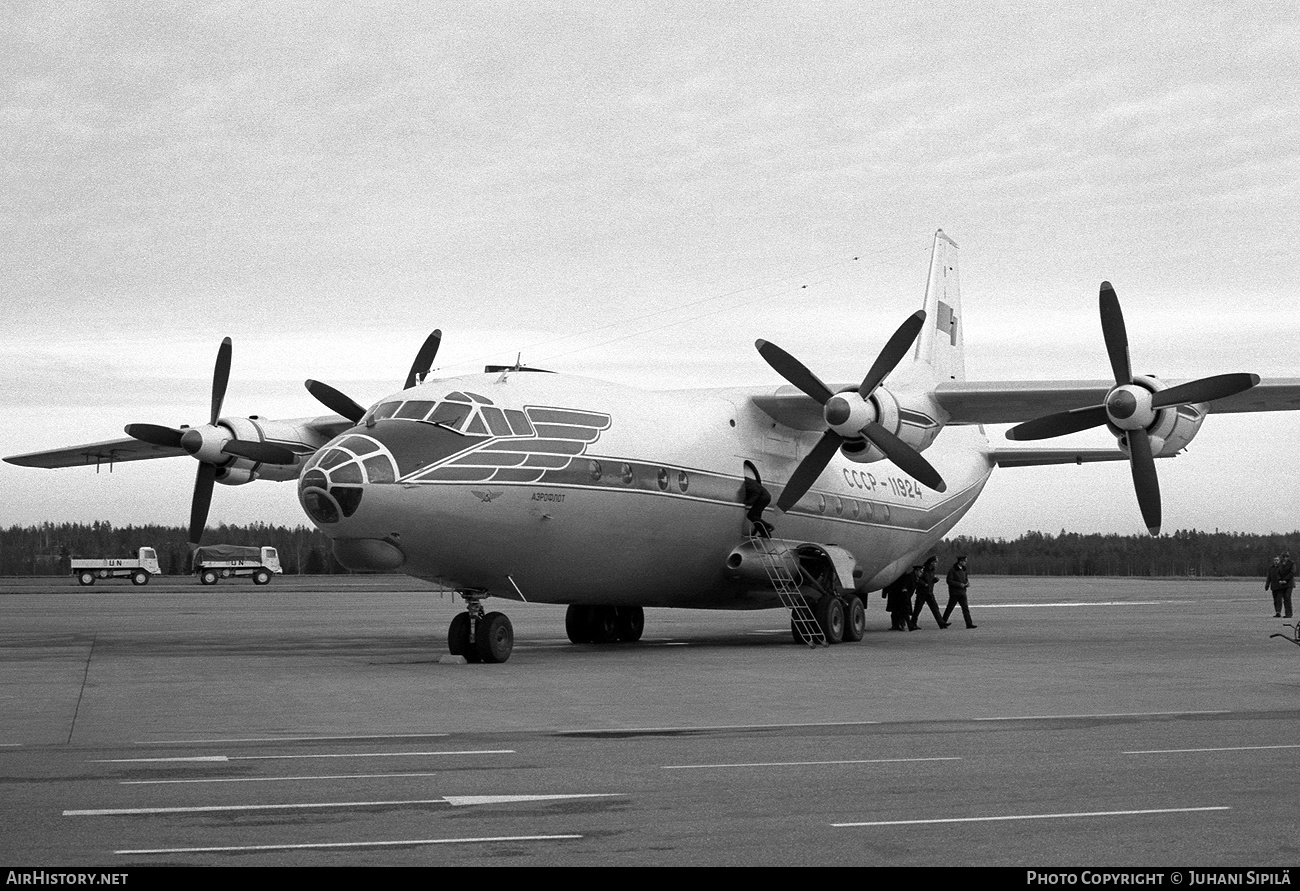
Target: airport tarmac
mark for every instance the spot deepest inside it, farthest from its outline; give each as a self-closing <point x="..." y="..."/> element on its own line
<point x="1085" y="722"/>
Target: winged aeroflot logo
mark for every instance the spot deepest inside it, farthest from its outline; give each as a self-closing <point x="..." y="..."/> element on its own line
<point x="485" y="497"/>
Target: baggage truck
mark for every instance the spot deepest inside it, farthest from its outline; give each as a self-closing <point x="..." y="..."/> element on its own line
<point x="138" y="568"/>
<point x="216" y="562"/>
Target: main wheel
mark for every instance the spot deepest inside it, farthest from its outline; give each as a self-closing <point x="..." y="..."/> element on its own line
<point x="855" y="618"/>
<point x="86" y="577"/>
<point x="495" y="639"/>
<point x="830" y="615"/>
<point x="208" y="577"/>
<point x="261" y="577"/>
<point x="458" y="636"/>
<point x="577" y="623"/>
<point x="602" y="626"/>
<point x="139" y="577"/>
<point x="629" y="623"/>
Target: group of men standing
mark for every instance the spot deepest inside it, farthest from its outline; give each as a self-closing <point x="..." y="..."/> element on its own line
<point x="1281" y="581"/>
<point x="920" y="581"/>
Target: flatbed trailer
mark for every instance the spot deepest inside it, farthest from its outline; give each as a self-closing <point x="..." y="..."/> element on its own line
<point x="139" y="569"/>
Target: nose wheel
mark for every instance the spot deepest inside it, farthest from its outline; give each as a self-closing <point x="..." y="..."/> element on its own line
<point x="480" y="636"/>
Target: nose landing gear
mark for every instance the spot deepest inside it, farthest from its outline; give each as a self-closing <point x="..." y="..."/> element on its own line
<point x="480" y="636"/>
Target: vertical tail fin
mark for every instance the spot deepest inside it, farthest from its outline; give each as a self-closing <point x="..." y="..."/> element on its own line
<point x="941" y="344"/>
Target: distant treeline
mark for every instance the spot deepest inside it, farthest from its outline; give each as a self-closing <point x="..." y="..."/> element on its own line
<point x="47" y="548"/>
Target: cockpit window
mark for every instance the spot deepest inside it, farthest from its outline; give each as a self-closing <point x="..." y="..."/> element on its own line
<point x="384" y="411"/>
<point x="415" y="410"/>
<point x="450" y="414"/>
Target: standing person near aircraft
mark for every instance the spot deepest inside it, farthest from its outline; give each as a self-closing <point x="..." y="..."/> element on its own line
<point x="1274" y="584"/>
<point x="958" y="582"/>
<point x="898" y="598"/>
<point x="1286" y="575"/>
<point x="925" y="594"/>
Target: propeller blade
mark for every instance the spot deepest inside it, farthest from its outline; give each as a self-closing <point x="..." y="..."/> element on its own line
<point x="262" y="452"/>
<point x="1144" y="478"/>
<point x="203" y="484"/>
<point x="155" y="434"/>
<point x="220" y="378"/>
<point x="908" y="459"/>
<point x="809" y="469"/>
<point x="1115" y="334"/>
<point x="1206" y="389"/>
<point x="1059" y="424"/>
<point x="423" y="359"/>
<point x="893" y="353"/>
<point x="796" y="373"/>
<point x="335" y="401"/>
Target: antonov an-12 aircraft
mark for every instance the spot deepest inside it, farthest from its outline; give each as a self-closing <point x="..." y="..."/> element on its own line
<point x="553" y="488"/>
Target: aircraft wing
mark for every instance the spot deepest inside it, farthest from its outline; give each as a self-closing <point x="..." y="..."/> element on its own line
<point x="112" y="451"/>
<point x="115" y="451"/>
<point x="1012" y="402"/>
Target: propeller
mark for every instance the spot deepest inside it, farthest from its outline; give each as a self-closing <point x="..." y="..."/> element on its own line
<point x="851" y="416"/>
<point x="340" y="403"/>
<point x="1130" y="408"/>
<point x="208" y="443"/>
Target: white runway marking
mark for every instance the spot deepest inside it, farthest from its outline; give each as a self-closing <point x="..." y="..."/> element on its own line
<point x="298" y="757"/>
<point x="1222" y="711"/>
<point x="328" y="845"/>
<point x="805" y="763"/>
<point x="342" y="776"/>
<point x="453" y="800"/>
<point x="1086" y="603"/>
<point x="708" y="728"/>
<point x="277" y="739"/>
<point x="1167" y="810"/>
<point x="1216" y="749"/>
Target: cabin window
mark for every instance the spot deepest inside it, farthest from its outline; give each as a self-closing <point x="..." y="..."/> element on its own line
<point x="348" y="473"/>
<point x="839" y="507"/>
<point x="683" y="481"/>
<point x="821" y="504"/>
<point x="884" y="513"/>
<point x="497" y="421"/>
<point x="519" y="422"/>
<point x="379" y="469"/>
<point x="625" y="473"/>
<point x="450" y="414"/>
<point x="593" y="469"/>
<point x="384" y="411"/>
<point x="663" y="480"/>
<point x="360" y="445"/>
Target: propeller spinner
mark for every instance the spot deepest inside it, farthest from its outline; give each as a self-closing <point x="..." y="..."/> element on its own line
<point x="211" y="444"/>
<point x="1130" y="409"/>
<point x="851" y="416"/>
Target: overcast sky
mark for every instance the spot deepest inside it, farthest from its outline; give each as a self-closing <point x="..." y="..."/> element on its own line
<point x="638" y="191"/>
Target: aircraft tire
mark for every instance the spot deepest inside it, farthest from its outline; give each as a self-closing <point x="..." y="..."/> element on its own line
<point x="140" y="577"/>
<point x="629" y="623"/>
<point x="86" y="578"/>
<point x="458" y="636"/>
<point x="261" y="577"/>
<point x="495" y="639"/>
<point x="577" y="623"/>
<point x="830" y="616"/>
<point x="603" y="625"/>
<point x="855" y="618"/>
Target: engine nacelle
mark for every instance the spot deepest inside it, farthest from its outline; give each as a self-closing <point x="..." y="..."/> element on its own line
<point x="912" y="424"/>
<point x="1172" y="428"/>
<point x="235" y="476"/>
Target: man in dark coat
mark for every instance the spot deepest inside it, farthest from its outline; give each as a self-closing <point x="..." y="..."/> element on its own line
<point x="925" y="595"/>
<point x="1276" y="586"/>
<point x="1286" y="575"/>
<point x="958" y="582"/>
<point x="898" y="598"/>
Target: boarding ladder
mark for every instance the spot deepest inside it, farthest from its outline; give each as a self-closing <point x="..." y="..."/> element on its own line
<point x="801" y="615"/>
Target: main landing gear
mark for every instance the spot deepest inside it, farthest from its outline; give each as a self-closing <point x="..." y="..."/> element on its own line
<point x="480" y="636"/>
<point x="842" y="618"/>
<point x="604" y="624"/>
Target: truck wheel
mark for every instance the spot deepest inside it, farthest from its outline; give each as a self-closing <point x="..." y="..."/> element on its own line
<point x="261" y="577"/>
<point x="207" y="577"/>
<point x="86" y="578"/>
<point x="139" y="577"/>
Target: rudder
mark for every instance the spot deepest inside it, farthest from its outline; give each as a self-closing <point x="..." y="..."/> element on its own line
<point x="941" y="344"/>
